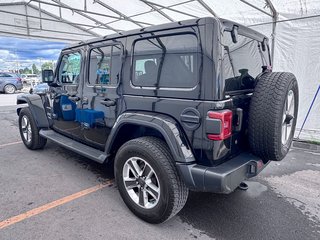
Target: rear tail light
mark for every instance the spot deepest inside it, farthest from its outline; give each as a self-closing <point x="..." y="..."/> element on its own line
<point x="224" y="117"/>
<point x="19" y="79"/>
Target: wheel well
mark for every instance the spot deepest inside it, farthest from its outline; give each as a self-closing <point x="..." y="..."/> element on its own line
<point x="130" y="131"/>
<point x="20" y="101"/>
<point x="11" y="85"/>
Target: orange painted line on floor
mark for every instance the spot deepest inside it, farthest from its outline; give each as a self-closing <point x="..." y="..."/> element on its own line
<point x="8" y="144"/>
<point x="53" y="204"/>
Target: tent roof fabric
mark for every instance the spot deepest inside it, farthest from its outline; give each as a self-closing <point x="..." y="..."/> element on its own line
<point x="74" y="20"/>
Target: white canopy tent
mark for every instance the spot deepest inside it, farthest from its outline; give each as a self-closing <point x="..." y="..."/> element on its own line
<point x="292" y="25"/>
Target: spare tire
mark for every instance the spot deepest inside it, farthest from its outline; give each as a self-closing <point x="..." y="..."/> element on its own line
<point x="273" y="115"/>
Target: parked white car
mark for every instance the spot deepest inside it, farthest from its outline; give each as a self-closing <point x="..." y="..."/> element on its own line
<point x="31" y="79"/>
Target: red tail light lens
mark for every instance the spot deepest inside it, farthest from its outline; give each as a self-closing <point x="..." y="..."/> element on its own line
<point x="19" y="79"/>
<point x="225" y="117"/>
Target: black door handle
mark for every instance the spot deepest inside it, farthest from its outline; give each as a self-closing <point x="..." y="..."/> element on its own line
<point x="108" y="102"/>
<point x="74" y="98"/>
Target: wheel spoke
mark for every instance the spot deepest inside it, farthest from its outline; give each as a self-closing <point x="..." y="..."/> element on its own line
<point x="291" y="106"/>
<point x="130" y="183"/>
<point x="283" y="137"/>
<point x="152" y="189"/>
<point x="143" y="197"/>
<point x="135" y="167"/>
<point x="147" y="172"/>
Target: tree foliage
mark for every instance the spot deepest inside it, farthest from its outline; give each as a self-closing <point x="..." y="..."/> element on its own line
<point x="47" y="65"/>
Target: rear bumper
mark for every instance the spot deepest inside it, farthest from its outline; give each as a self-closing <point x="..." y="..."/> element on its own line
<point x="223" y="178"/>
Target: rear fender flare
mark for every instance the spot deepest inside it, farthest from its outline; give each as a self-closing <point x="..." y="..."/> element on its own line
<point x="166" y="125"/>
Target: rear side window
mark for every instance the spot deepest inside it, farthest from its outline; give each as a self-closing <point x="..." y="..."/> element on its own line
<point x="105" y="65"/>
<point x="166" y="61"/>
<point x="5" y="75"/>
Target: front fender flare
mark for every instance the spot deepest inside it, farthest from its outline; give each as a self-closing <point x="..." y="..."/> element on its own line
<point x="36" y="107"/>
<point x="166" y="125"/>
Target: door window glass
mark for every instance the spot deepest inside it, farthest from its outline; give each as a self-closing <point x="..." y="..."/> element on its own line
<point x="105" y="65"/>
<point x="70" y="67"/>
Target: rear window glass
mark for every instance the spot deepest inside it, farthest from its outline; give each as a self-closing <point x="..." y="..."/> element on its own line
<point x="166" y="61"/>
<point x="242" y="62"/>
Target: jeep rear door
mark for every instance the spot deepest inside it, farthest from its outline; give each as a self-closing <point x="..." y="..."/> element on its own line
<point x="100" y="92"/>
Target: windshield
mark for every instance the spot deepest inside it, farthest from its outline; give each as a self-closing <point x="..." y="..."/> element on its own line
<point x="242" y="62"/>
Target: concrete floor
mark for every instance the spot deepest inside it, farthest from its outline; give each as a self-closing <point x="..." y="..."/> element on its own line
<point x="283" y="202"/>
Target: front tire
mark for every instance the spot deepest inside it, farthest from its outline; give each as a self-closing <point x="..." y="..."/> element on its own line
<point x="148" y="181"/>
<point x="28" y="130"/>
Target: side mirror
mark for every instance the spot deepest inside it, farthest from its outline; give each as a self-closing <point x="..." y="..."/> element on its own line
<point x="47" y="76"/>
<point x="234" y="33"/>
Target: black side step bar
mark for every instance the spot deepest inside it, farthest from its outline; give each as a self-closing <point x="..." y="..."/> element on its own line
<point x="75" y="146"/>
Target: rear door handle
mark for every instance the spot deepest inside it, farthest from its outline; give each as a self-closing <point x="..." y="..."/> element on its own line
<point x="74" y="98"/>
<point x="108" y="102"/>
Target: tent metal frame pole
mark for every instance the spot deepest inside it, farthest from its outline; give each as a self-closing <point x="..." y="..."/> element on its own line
<point x="255" y="7"/>
<point x="45" y="30"/>
<point x="86" y="16"/>
<point x="274" y="26"/>
<point x="209" y="9"/>
<point x="63" y="20"/>
<point x="125" y="17"/>
<point x="60" y="5"/>
<point x="27" y="19"/>
<point x="160" y="8"/>
<point x="38" y="36"/>
<point x="285" y="20"/>
<point x="57" y="19"/>
<point x="157" y="10"/>
<point x="170" y="9"/>
<point x="40" y="13"/>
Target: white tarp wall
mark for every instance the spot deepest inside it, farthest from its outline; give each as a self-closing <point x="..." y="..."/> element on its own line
<point x="297" y="42"/>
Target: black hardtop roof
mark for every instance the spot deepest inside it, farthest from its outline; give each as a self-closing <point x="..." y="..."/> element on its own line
<point x="168" y="26"/>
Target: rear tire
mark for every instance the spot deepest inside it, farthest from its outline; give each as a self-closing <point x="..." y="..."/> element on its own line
<point x="28" y="130"/>
<point x="273" y="115"/>
<point x="169" y="193"/>
<point x="9" y="89"/>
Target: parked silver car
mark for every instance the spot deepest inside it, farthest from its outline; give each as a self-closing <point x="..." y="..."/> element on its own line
<point x="10" y="82"/>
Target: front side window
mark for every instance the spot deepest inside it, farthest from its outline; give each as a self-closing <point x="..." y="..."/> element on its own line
<point x="166" y="61"/>
<point x="70" y="67"/>
<point x="242" y="62"/>
<point x="105" y="65"/>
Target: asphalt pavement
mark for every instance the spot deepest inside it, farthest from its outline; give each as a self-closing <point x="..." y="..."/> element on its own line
<point x="283" y="202"/>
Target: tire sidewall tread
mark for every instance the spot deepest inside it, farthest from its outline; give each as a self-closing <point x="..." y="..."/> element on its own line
<point x="173" y="194"/>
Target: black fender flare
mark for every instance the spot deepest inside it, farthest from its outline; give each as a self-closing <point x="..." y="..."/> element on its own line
<point x="36" y="107"/>
<point x="167" y="126"/>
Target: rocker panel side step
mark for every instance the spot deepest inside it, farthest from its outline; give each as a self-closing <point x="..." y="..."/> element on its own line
<point x="75" y="146"/>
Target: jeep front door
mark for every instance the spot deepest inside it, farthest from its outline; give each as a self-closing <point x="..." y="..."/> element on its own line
<point x="66" y="94"/>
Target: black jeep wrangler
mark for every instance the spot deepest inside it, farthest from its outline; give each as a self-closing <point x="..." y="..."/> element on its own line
<point x="191" y="105"/>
